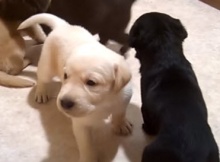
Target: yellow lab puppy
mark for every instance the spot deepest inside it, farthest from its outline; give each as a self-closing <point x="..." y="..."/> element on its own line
<point x="95" y="80"/>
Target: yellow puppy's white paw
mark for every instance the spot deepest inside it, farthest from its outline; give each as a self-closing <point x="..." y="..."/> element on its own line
<point x="41" y="96"/>
<point x="124" y="128"/>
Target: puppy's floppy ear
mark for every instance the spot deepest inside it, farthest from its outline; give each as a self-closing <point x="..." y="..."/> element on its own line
<point x="139" y="36"/>
<point x="179" y="29"/>
<point x="136" y="36"/>
<point x="122" y="75"/>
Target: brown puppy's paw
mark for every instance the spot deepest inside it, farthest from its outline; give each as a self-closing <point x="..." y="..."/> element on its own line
<point x="124" y="49"/>
<point x="124" y="128"/>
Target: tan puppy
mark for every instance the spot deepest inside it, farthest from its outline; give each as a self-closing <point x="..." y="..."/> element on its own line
<point x="12" y="52"/>
<point x="95" y="80"/>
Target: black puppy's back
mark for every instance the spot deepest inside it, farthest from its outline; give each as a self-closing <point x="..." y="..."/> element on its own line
<point x="173" y="107"/>
<point x="179" y="120"/>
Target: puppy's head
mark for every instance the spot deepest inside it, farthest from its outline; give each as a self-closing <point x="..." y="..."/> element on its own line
<point x="151" y="30"/>
<point x="92" y="78"/>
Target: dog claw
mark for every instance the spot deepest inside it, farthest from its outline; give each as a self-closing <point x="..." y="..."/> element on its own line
<point x="41" y="98"/>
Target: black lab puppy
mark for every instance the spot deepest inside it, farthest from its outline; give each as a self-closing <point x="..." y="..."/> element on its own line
<point x="173" y="107"/>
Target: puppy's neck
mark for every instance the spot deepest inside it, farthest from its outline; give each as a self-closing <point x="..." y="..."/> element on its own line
<point x="164" y="56"/>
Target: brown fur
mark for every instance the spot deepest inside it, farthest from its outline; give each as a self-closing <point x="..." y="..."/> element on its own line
<point x="12" y="51"/>
<point x="108" y="18"/>
<point x="22" y="9"/>
<point x="12" y="45"/>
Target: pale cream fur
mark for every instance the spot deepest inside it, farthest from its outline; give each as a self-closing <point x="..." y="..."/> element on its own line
<point x="76" y="57"/>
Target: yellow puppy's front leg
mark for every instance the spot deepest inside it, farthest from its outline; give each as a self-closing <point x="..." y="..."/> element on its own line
<point x="45" y="73"/>
<point x="44" y="77"/>
<point x="41" y="94"/>
<point x="86" y="146"/>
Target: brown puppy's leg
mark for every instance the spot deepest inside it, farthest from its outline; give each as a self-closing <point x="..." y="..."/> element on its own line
<point x="14" y="65"/>
<point x="124" y="49"/>
<point x="122" y="38"/>
<point x="103" y="39"/>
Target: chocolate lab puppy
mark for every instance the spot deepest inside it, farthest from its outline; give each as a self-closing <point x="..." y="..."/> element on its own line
<point x="173" y="107"/>
<point x="108" y="18"/>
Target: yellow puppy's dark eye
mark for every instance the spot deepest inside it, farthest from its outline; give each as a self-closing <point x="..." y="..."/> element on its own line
<point x="90" y="83"/>
<point x="65" y="76"/>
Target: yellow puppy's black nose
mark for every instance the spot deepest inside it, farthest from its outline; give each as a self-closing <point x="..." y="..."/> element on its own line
<point x="67" y="103"/>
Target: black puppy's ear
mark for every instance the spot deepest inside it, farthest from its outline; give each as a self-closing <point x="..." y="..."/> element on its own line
<point x="136" y="37"/>
<point x="179" y="30"/>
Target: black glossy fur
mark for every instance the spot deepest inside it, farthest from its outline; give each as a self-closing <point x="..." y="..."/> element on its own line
<point x="173" y="107"/>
